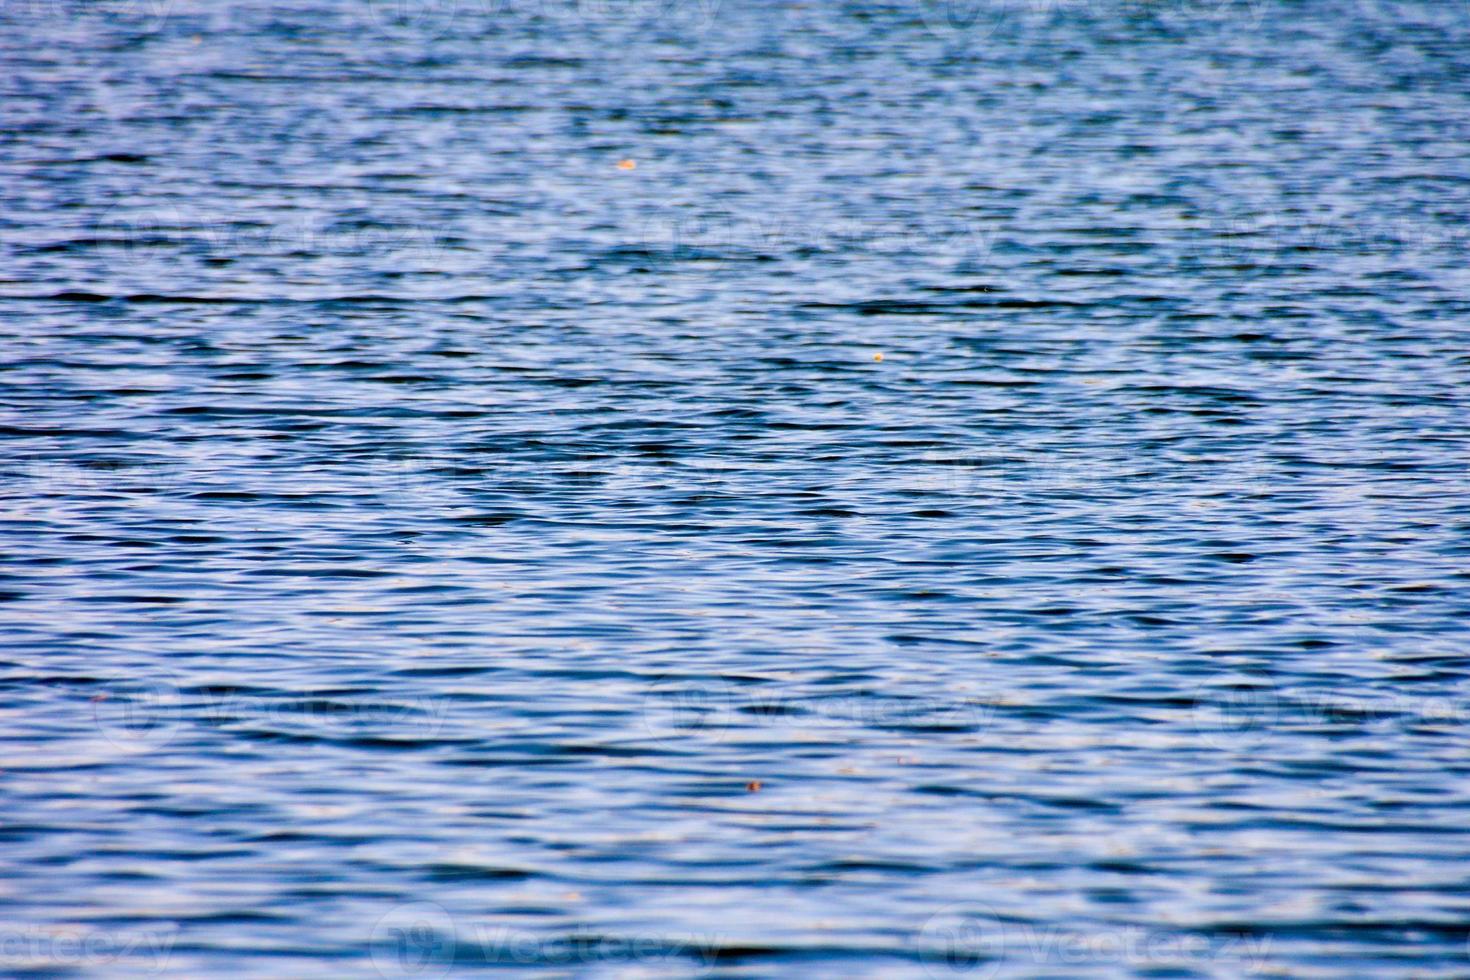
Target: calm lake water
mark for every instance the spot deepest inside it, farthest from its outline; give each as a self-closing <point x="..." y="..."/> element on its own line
<point x="696" y="487"/>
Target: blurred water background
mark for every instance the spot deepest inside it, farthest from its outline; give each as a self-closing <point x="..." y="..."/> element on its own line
<point x="698" y="487"/>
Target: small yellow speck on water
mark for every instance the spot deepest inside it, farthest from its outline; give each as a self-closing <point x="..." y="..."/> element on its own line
<point x="754" y="786"/>
<point x="878" y="356"/>
<point x="627" y="164"/>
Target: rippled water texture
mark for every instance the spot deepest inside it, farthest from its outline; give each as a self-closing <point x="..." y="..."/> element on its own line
<point x="698" y="487"/>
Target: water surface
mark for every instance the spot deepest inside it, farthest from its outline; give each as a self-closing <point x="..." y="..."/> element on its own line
<point x="734" y="488"/>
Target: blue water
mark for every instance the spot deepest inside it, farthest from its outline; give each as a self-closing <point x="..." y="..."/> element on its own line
<point x="695" y="487"/>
